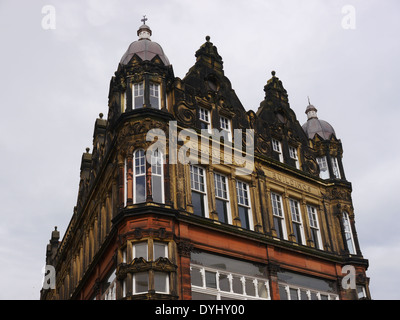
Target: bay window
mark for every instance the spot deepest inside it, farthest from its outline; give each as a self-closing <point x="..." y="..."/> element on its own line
<point x="139" y="178"/>
<point x="155" y="95"/>
<point x="138" y="95"/>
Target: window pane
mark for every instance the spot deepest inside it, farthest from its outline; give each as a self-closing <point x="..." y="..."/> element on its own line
<point x="220" y="186"/>
<point x="204" y="125"/>
<point x="314" y="236"/>
<point x="282" y="293"/>
<point x="198" y="204"/>
<point x="237" y="285"/>
<point x="138" y="102"/>
<point x="297" y="232"/>
<point x="140" y="250"/>
<point x="244" y="217"/>
<point x="157" y="188"/>
<point x="196" y="277"/>
<point x="138" y="95"/>
<point x="141" y="282"/>
<point x="303" y="295"/>
<point x="221" y="207"/>
<point x="140" y="188"/>
<point x="154" y="101"/>
<point x="211" y="280"/>
<point x="278" y="227"/>
<point x="160" y="250"/>
<point x="262" y="289"/>
<point x="160" y="281"/>
<point x="250" y="289"/>
<point x="293" y="294"/>
<point x="314" y="296"/>
<point x="224" y="282"/>
<point x="202" y="296"/>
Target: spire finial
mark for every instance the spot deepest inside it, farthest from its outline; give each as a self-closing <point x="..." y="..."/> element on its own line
<point x="144" y="19"/>
<point x="309" y="103"/>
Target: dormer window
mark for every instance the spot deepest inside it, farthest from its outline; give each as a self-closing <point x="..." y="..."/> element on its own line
<point x="204" y="116"/>
<point x="138" y="95"/>
<point x="155" y="95"/>
<point x="293" y="155"/>
<point x="226" y="128"/>
<point x="277" y="147"/>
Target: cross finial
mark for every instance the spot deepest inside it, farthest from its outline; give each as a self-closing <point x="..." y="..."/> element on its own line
<point x="144" y="19"/>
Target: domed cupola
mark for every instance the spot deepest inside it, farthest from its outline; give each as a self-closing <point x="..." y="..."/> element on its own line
<point x="142" y="80"/>
<point x="316" y="126"/>
<point x="144" y="48"/>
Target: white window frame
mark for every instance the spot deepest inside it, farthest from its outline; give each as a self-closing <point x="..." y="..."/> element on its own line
<point x="201" y="172"/>
<point x="166" y="274"/>
<point x="278" y="211"/>
<point x="205" y="117"/>
<point x="318" y="294"/>
<point x="225" y="125"/>
<point x="295" y="213"/>
<point x="154" y="89"/>
<point x="157" y="163"/>
<point x="142" y="172"/>
<point x="124" y="104"/>
<point x="227" y="199"/>
<point x="323" y="167"/>
<point x="165" y="245"/>
<point x="294" y="156"/>
<point x="277" y="147"/>
<point x="134" y="255"/>
<point x="244" y="200"/>
<point x="137" y="87"/>
<point x="218" y="293"/>
<point x="335" y="168"/>
<point x="134" y="291"/>
<point x="348" y="233"/>
<point x="314" y="224"/>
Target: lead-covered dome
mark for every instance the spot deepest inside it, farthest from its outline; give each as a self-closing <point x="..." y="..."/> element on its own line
<point x="144" y="48"/>
<point x="316" y="126"/>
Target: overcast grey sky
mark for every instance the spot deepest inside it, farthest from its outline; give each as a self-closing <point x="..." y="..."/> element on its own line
<point x="54" y="83"/>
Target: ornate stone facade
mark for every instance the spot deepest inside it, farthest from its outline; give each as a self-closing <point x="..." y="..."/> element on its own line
<point x="137" y="224"/>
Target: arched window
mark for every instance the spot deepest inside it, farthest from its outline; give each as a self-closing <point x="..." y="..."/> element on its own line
<point x="348" y="234"/>
<point x="139" y="176"/>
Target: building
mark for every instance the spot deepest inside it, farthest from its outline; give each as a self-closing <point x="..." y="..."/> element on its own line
<point x="155" y="224"/>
